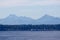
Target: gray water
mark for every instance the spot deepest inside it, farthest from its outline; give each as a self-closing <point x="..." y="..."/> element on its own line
<point x="29" y="35"/>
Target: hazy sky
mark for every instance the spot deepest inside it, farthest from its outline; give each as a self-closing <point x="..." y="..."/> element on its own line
<point x="29" y="8"/>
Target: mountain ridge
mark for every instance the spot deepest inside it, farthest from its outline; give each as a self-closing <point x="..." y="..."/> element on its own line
<point x="14" y="20"/>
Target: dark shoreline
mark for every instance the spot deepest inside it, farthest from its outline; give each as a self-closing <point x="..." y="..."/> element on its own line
<point x="42" y="27"/>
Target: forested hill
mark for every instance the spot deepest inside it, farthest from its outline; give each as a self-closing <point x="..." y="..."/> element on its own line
<point x="30" y="27"/>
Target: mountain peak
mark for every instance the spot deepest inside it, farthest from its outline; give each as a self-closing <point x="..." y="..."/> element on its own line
<point x="47" y="16"/>
<point x="12" y="16"/>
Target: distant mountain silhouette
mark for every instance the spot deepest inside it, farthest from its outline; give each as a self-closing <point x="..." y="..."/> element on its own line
<point x="48" y="20"/>
<point x="14" y="20"/>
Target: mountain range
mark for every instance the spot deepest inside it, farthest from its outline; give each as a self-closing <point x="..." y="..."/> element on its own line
<point x="14" y="20"/>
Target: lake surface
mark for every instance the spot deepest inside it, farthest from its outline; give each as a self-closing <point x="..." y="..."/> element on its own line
<point x="29" y="35"/>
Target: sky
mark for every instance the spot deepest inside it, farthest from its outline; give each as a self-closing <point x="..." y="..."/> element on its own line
<point x="29" y="8"/>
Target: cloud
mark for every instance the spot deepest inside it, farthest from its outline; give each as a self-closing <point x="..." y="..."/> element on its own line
<point x="10" y="3"/>
<point x="47" y="2"/>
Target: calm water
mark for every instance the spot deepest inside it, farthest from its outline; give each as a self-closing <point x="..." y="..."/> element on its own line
<point x="29" y="35"/>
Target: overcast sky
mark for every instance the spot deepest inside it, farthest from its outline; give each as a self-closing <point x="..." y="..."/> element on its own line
<point x="29" y="8"/>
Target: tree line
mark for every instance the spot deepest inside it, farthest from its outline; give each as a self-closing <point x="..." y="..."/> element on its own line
<point x="30" y="27"/>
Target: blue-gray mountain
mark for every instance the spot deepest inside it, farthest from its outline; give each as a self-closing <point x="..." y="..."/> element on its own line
<point x="14" y="20"/>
